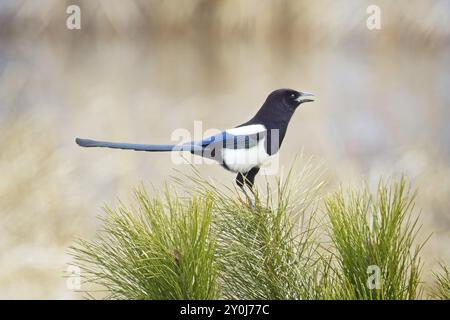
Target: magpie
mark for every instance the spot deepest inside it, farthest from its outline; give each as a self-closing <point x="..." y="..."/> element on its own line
<point x="243" y="149"/>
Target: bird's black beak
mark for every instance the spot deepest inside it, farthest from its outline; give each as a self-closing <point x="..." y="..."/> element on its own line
<point x="305" y="97"/>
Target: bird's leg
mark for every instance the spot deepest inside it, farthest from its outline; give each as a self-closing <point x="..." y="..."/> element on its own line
<point x="241" y="182"/>
<point x="251" y="203"/>
<point x="247" y="179"/>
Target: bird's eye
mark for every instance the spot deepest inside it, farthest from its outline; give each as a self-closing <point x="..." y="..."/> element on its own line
<point x="292" y="95"/>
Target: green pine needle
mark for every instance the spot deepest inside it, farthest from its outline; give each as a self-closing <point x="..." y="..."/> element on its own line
<point x="442" y="278"/>
<point x="376" y="231"/>
<point x="206" y="242"/>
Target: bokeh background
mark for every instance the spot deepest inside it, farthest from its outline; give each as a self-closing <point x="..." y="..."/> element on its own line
<point x="137" y="70"/>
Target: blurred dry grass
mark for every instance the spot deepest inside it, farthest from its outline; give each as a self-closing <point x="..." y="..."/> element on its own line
<point x="137" y="70"/>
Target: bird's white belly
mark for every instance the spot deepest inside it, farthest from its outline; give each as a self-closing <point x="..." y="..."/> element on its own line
<point x="243" y="160"/>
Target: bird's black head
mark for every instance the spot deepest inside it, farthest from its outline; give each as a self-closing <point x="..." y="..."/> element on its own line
<point x="289" y="99"/>
<point x="279" y="107"/>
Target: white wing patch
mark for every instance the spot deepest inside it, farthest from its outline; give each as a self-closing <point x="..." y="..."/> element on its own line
<point x="243" y="160"/>
<point x="246" y="130"/>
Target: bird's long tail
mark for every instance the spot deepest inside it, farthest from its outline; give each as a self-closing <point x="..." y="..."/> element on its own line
<point x="138" y="147"/>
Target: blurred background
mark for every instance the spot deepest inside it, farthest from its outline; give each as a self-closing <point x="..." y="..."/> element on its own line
<point x="137" y="70"/>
